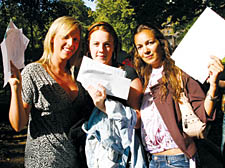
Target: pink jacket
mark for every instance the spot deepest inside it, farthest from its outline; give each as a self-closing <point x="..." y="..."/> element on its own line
<point x="171" y="115"/>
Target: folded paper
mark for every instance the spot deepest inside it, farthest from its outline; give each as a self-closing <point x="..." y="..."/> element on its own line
<point x="13" y="46"/>
<point x="113" y="79"/>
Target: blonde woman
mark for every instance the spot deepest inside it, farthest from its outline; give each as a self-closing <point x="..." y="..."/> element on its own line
<point x="46" y="97"/>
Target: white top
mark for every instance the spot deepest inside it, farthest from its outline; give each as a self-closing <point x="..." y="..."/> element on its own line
<point x="154" y="132"/>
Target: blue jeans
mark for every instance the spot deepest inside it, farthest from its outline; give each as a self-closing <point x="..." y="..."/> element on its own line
<point x="168" y="161"/>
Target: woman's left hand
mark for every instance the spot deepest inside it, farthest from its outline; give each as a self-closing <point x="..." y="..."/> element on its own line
<point x="98" y="96"/>
<point x="215" y="66"/>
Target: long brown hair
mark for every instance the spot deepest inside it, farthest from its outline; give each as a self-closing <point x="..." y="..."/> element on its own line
<point x="170" y="70"/>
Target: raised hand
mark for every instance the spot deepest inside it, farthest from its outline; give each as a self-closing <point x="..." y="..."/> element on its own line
<point x="16" y="79"/>
<point x="215" y="66"/>
<point x="98" y="95"/>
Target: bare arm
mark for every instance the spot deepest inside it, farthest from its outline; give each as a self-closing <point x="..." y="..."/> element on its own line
<point x="221" y="83"/>
<point x="215" y="67"/>
<point x="18" y="110"/>
<point x="134" y="98"/>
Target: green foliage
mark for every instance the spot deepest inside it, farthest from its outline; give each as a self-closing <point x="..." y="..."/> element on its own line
<point x="223" y="60"/>
<point x="157" y="12"/>
<point x="183" y="29"/>
<point x="75" y="8"/>
<point x="183" y="25"/>
<point x="180" y="14"/>
<point x="35" y="16"/>
<point x="120" y="15"/>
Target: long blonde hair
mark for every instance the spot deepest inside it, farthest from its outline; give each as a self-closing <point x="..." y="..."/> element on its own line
<point x="170" y="70"/>
<point x="62" y="25"/>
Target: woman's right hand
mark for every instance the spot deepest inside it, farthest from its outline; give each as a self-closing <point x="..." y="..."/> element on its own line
<point x="18" y="110"/>
<point x="16" y="79"/>
<point x="98" y="96"/>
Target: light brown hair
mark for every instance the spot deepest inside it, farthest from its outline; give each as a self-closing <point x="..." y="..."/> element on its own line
<point x="104" y="26"/>
<point x="170" y="70"/>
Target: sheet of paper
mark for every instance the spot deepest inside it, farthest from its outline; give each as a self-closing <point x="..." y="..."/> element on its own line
<point x="206" y="37"/>
<point x="13" y="46"/>
<point x="113" y="79"/>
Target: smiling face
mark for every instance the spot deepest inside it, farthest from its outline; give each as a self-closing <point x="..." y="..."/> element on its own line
<point x="101" y="46"/>
<point x="65" y="46"/>
<point x="148" y="48"/>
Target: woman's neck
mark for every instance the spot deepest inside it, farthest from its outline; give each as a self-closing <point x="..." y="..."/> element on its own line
<point x="57" y="67"/>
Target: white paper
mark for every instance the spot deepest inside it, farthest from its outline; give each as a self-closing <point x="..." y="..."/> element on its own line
<point x="206" y="37"/>
<point x="113" y="79"/>
<point x="13" y="46"/>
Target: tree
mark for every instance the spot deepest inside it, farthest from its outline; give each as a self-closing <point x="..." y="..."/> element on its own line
<point x="120" y="15"/>
<point x="182" y="11"/>
<point x="179" y="14"/>
<point x="184" y="25"/>
<point x="75" y="8"/>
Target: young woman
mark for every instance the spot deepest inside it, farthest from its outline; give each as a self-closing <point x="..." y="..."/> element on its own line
<point x="110" y="133"/>
<point x="161" y="126"/>
<point x="47" y="98"/>
<point x="103" y="46"/>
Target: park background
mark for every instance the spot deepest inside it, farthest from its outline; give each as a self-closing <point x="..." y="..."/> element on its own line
<point x="173" y="17"/>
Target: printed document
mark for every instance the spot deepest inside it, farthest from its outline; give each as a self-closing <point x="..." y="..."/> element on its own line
<point x="113" y="79"/>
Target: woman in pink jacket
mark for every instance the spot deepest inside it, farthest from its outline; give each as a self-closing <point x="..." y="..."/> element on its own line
<point x="161" y="126"/>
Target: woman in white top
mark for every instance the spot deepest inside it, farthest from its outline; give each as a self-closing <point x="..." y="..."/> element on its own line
<point x="161" y="125"/>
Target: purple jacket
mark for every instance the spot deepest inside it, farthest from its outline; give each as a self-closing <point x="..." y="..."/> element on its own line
<point x="171" y="115"/>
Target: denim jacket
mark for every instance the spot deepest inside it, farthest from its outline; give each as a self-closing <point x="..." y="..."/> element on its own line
<point x="110" y="135"/>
